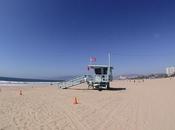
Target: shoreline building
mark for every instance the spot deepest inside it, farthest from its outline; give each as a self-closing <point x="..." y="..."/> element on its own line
<point x="170" y="71"/>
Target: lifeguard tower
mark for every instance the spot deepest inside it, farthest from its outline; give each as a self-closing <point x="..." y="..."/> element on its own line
<point x="99" y="80"/>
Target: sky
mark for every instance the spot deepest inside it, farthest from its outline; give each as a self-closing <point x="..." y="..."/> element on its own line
<point x="52" y="38"/>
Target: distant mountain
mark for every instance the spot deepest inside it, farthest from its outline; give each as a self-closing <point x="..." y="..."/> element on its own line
<point x="128" y="76"/>
<point x="141" y="76"/>
<point x="27" y="80"/>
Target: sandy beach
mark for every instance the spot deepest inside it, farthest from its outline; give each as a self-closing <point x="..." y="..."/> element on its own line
<point x="147" y="105"/>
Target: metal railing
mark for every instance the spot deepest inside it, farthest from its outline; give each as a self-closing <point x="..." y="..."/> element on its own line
<point x="73" y="82"/>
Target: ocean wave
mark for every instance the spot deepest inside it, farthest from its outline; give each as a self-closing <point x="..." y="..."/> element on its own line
<point x="15" y="83"/>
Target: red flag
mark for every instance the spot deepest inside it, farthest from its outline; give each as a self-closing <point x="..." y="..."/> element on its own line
<point x="92" y="59"/>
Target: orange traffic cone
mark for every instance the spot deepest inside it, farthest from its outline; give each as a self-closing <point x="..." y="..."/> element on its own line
<point x="20" y="92"/>
<point x="75" y="101"/>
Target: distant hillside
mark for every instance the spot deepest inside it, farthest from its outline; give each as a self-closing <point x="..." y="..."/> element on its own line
<point x="139" y="76"/>
<point x="128" y="76"/>
<point x="27" y="80"/>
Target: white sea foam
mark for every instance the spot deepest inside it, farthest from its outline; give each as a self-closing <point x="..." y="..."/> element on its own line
<point x="19" y="83"/>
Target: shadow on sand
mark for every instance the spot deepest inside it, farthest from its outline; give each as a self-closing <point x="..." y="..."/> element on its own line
<point x="110" y="89"/>
<point x="116" y="89"/>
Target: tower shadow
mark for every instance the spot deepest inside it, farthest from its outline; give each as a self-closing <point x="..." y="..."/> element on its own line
<point x="110" y="89"/>
<point x="116" y="89"/>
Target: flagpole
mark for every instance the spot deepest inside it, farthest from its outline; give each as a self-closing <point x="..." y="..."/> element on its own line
<point x="109" y="64"/>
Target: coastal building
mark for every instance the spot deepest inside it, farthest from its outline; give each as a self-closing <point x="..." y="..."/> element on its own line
<point x="122" y="77"/>
<point x="170" y="71"/>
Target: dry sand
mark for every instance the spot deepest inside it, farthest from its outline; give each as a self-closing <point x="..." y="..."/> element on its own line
<point x="148" y="105"/>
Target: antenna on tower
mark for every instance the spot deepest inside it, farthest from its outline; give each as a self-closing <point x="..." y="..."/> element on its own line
<point x="109" y="65"/>
<point x="109" y="59"/>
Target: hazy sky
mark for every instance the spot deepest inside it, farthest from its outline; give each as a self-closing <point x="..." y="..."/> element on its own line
<point x="51" y="38"/>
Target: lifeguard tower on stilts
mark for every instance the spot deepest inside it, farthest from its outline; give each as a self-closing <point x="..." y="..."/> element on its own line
<point x="99" y="80"/>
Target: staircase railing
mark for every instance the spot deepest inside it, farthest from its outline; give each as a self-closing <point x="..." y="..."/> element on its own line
<point x="73" y="82"/>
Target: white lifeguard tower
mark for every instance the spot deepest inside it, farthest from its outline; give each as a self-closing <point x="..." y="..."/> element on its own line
<point x="99" y="80"/>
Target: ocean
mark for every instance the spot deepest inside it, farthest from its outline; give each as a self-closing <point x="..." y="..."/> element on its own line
<point x="9" y="81"/>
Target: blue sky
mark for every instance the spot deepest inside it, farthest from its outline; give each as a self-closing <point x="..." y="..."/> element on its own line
<point x="52" y="38"/>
